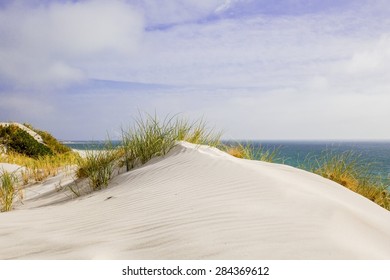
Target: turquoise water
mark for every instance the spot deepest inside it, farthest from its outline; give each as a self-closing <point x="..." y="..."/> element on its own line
<point x="294" y="153"/>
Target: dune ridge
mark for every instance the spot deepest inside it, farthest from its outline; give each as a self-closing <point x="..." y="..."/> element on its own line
<point x="200" y="203"/>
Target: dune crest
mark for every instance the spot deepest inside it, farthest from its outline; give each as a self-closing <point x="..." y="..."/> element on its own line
<point x="200" y="203"/>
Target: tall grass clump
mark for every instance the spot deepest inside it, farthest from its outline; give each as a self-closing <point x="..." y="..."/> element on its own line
<point x="248" y="151"/>
<point x="196" y="132"/>
<point x="151" y="137"/>
<point x="147" y="139"/>
<point x="351" y="171"/>
<point x="98" y="166"/>
<point x="8" y="190"/>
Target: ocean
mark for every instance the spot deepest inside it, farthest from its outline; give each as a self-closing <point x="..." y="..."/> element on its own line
<point x="296" y="153"/>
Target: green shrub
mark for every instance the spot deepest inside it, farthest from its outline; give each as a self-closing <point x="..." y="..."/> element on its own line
<point x="19" y="141"/>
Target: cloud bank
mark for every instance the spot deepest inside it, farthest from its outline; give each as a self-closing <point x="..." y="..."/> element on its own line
<point x="257" y="69"/>
<point x="53" y="44"/>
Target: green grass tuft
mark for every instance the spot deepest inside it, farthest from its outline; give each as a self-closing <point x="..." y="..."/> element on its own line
<point x="8" y="190"/>
<point x="98" y="166"/>
<point x="151" y="137"/>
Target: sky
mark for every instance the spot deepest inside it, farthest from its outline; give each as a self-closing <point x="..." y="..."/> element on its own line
<point x="255" y="69"/>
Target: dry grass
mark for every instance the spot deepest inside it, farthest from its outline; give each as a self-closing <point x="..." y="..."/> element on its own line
<point x="248" y="151"/>
<point x="350" y="170"/>
<point x="40" y="168"/>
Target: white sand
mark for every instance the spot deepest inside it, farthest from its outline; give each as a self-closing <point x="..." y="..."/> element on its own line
<point x="200" y="203"/>
<point x="8" y="167"/>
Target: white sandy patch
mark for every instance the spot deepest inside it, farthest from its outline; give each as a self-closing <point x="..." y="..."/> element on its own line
<point x="8" y="167"/>
<point x="200" y="203"/>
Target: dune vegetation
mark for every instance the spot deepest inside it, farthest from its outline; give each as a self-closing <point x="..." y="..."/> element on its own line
<point x="14" y="139"/>
<point x="248" y="151"/>
<point x="98" y="166"/>
<point x="8" y="190"/>
<point x="351" y="171"/>
<point x="147" y="139"/>
<point x="38" y="160"/>
<point x="150" y="138"/>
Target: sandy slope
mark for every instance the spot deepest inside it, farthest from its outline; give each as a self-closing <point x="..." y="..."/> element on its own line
<point x="199" y="203"/>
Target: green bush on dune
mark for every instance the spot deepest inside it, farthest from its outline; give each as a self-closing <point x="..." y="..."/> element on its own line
<point x="40" y="160"/>
<point x="19" y="141"/>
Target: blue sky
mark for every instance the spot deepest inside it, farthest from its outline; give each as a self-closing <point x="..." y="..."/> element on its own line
<point x="284" y="69"/>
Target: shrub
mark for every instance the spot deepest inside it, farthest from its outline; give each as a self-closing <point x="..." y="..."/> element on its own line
<point x="19" y="141"/>
<point x="7" y="190"/>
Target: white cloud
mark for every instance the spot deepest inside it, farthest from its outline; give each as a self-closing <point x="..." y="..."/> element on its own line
<point x="375" y="57"/>
<point x="51" y="44"/>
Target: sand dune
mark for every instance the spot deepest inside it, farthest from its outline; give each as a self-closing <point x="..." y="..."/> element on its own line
<point x="200" y="203"/>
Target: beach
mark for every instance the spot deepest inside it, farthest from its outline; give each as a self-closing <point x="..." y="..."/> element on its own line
<point x="197" y="202"/>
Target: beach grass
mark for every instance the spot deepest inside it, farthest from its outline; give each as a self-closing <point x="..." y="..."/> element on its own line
<point x="42" y="167"/>
<point x="196" y="132"/>
<point x="351" y="171"/>
<point x="151" y="137"/>
<point x="98" y="166"/>
<point x="248" y="151"/>
<point x="8" y="190"/>
<point x="147" y="139"/>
